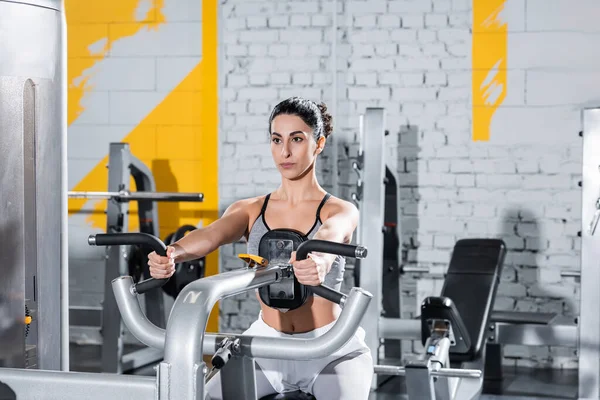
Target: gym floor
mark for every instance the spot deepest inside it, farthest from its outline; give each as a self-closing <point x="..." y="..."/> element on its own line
<point x="518" y="384"/>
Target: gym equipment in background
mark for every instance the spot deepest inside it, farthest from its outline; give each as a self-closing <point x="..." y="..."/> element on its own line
<point x="122" y="166"/>
<point x="33" y="222"/>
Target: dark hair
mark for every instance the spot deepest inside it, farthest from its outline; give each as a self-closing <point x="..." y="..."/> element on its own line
<point x="313" y="114"/>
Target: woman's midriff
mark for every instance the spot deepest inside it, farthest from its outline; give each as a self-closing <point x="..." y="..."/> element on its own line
<point x="315" y="313"/>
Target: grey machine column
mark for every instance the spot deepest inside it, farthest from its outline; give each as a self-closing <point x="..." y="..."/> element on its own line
<point x="122" y="165"/>
<point x="32" y="132"/>
<point x="589" y="318"/>
<point x="371" y="221"/>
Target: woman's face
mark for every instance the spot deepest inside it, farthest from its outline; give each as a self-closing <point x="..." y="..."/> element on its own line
<point x="293" y="146"/>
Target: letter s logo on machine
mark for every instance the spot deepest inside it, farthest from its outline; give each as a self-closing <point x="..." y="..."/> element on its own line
<point x="191" y="297"/>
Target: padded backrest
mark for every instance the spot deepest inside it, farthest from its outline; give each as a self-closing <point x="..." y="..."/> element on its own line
<point x="472" y="282"/>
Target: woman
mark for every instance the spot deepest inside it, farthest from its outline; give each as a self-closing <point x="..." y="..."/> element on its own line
<point x="298" y="130"/>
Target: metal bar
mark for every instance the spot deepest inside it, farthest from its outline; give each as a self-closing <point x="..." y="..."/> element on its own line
<point x="372" y="217"/>
<point x="59" y="385"/>
<point x="238" y="379"/>
<point x="133" y="316"/>
<point x="570" y="274"/>
<point x="589" y="340"/>
<point x="141" y="358"/>
<point x="301" y="349"/>
<point x="125" y="195"/>
<point x="395" y="328"/>
<point x="564" y="335"/>
<point x="442" y="372"/>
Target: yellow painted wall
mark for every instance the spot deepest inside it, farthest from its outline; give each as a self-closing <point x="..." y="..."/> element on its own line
<point x="489" y="59"/>
<point x="178" y="140"/>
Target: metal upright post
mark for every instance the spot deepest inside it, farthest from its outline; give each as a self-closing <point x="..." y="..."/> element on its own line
<point x="117" y="220"/>
<point x="589" y="318"/>
<point x="371" y="222"/>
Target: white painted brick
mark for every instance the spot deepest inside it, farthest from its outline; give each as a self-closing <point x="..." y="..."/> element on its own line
<point x="254" y="8"/>
<point x="461" y="5"/>
<point x="320" y="20"/>
<point x="128" y="107"/>
<point x="376" y="36"/>
<point x="259" y="36"/>
<point x="432" y="256"/>
<point x="414" y="94"/>
<point x="365" y="21"/>
<point x="527" y="167"/>
<point x="370" y="64"/>
<point x="306" y="92"/>
<point x="438" y="165"/>
<point x="388" y="49"/>
<point x="388" y="78"/>
<point x="477" y="227"/>
<point x="481" y="210"/>
<point x="410" y="6"/>
<point x="126" y="73"/>
<point x="464" y="180"/>
<point x="531" y="50"/>
<point x="413" y="21"/>
<point x="281" y="78"/>
<point x="367" y="7"/>
<point x="455" y="63"/>
<point x="258" y="50"/>
<point x="299" y="50"/>
<point x="298" y="7"/>
<point x="426" y="36"/>
<point x="256" y="21"/>
<point x="416" y="64"/>
<point x="513" y="289"/>
<point x="459" y="79"/>
<point x="436" y="20"/>
<point x="547" y="182"/>
<point x="404" y="35"/>
<point x="434" y="49"/>
<point x="459" y="20"/>
<point x="322" y="49"/>
<point x="235" y="24"/>
<point x="444" y="241"/>
<point x="258" y="108"/>
<point x="301" y="36"/>
<point x="300" y="20"/>
<point x="363" y="50"/>
<point x="562" y="87"/>
<point x="302" y="78"/>
<point x="453" y="36"/>
<point x="366" y="78"/>
<point x="388" y="21"/>
<point x="358" y="93"/>
<point x="297" y="64"/>
<point x="442" y="5"/>
<point x="259" y="79"/>
<point x="520" y="125"/>
<point x="278" y="50"/>
<point x="559" y="15"/>
<point x="233" y="50"/>
<point x="257" y="93"/>
<point x="279" y="21"/>
<point x="237" y="107"/>
<point x="410" y="50"/>
<point x="461" y="210"/>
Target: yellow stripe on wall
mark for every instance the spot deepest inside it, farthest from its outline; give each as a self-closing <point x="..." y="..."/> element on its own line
<point x="178" y="141"/>
<point x="489" y="60"/>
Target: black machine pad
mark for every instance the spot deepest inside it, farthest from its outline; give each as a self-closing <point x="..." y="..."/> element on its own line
<point x="471" y="284"/>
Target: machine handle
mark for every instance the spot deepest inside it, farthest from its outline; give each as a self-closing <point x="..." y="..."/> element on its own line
<point x="324" y="246"/>
<point x="135" y="238"/>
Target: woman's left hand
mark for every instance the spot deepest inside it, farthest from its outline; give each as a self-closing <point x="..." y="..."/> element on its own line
<point x="312" y="270"/>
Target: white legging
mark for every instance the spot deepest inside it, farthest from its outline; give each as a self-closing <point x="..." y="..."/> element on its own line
<point x="348" y="378"/>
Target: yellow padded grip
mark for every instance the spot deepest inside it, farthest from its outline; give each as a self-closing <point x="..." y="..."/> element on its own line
<point x="254" y="260"/>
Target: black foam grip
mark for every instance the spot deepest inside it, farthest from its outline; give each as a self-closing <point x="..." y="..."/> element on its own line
<point x="140" y="239"/>
<point x="324" y="246"/>
<point x="328" y="293"/>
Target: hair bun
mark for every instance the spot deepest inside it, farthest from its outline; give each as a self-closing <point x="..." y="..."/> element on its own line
<point x="327" y="120"/>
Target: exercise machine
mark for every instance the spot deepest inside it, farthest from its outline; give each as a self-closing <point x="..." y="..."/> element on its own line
<point x="34" y="327"/>
<point x="121" y="260"/>
<point x="181" y="375"/>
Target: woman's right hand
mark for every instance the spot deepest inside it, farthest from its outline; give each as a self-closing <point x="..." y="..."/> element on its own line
<point x="162" y="267"/>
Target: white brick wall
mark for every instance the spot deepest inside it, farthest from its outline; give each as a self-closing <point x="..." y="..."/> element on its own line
<point x="414" y="59"/>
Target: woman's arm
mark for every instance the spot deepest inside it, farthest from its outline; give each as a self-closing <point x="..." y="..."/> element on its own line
<point x="227" y="229"/>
